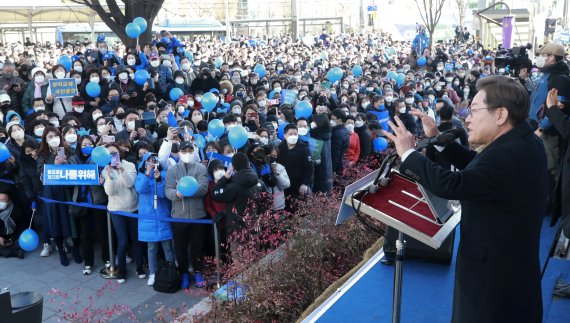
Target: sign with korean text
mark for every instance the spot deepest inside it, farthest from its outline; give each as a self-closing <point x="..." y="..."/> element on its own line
<point x="288" y="97"/>
<point x="71" y="174"/>
<point x="224" y="159"/>
<point x="63" y="88"/>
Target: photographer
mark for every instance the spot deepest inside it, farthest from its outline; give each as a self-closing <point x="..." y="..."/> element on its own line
<point x="133" y="130"/>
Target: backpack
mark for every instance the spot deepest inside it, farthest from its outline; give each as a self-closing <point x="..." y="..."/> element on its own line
<point x="167" y="279"/>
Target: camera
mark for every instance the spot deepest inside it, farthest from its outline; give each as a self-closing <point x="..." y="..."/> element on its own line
<point x="514" y="59"/>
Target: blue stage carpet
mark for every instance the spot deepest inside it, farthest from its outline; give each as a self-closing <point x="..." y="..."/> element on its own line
<point x="427" y="291"/>
<point x="556" y="309"/>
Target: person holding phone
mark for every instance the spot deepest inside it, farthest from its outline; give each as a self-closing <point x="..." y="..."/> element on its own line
<point x="119" y="181"/>
<point x="54" y="150"/>
<point x="133" y="130"/>
<point x="12" y="223"/>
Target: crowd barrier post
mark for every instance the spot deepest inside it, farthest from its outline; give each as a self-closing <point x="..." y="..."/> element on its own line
<point x="109" y="272"/>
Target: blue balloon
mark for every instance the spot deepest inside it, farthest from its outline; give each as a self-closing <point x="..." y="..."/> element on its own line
<point x="4" y="153"/>
<point x="141" y="22"/>
<point x="29" y="240"/>
<point x="218" y="62"/>
<point x="175" y="93"/>
<point x="303" y="110"/>
<point x="357" y="70"/>
<point x="237" y="136"/>
<point x="101" y="156"/>
<point x="392" y="74"/>
<point x="216" y="128"/>
<point x="189" y="55"/>
<point x="141" y="77"/>
<point x="187" y="186"/>
<point x="199" y="140"/>
<point x="209" y="101"/>
<point x="400" y="79"/>
<point x="66" y="62"/>
<point x="281" y="131"/>
<point x="260" y="70"/>
<point x="133" y="30"/>
<point x="334" y="74"/>
<point x="422" y="61"/>
<point x="380" y="144"/>
<point x="93" y="89"/>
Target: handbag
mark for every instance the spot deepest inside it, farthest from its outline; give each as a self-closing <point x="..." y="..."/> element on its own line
<point x="74" y="210"/>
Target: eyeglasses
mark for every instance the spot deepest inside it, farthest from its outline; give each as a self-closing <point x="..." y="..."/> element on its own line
<point x="470" y="111"/>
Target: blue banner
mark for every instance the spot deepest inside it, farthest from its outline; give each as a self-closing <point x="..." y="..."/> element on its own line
<point x="288" y="97"/>
<point x="78" y="174"/>
<point x="63" y="88"/>
<point x="225" y="159"/>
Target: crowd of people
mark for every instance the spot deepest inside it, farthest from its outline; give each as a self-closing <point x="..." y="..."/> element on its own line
<point x="150" y="136"/>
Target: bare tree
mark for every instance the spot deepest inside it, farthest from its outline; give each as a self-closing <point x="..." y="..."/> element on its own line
<point x="430" y="12"/>
<point x="116" y="19"/>
<point x="462" y="8"/>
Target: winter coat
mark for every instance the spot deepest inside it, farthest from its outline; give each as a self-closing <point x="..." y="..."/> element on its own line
<point x="554" y="76"/>
<point x="119" y="186"/>
<point x="147" y="187"/>
<point x="97" y="192"/>
<point x="299" y="165"/>
<point x="278" y="191"/>
<point x="28" y="177"/>
<point x="236" y="192"/>
<point x="61" y="106"/>
<point x="561" y="122"/>
<point x="213" y="207"/>
<point x="339" y="146"/>
<point x="323" y="179"/>
<point x="28" y="98"/>
<point x="353" y="152"/>
<point x="365" y="138"/>
<point x="191" y="207"/>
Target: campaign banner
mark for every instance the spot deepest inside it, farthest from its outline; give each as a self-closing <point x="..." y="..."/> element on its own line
<point x="63" y="88"/>
<point x="288" y="97"/>
<point x="508" y="22"/>
<point x="71" y="174"/>
<point x="315" y="148"/>
<point x="225" y="159"/>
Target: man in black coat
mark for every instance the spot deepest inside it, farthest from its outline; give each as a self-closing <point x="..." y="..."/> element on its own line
<point x="503" y="196"/>
<point x="339" y="141"/>
<point x="294" y="155"/>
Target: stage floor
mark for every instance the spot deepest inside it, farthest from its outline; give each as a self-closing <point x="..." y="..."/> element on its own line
<point x="427" y="290"/>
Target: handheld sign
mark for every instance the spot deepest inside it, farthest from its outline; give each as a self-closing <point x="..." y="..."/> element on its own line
<point x="71" y="174"/>
<point x="63" y="88"/>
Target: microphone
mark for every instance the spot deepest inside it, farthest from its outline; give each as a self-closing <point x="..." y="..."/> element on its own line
<point x="443" y="139"/>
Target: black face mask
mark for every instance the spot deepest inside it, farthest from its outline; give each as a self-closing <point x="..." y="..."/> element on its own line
<point x="120" y="116"/>
<point x="272" y="160"/>
<point x="259" y="155"/>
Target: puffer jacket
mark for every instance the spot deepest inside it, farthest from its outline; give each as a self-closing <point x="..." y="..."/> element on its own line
<point x="148" y="187"/>
<point x="187" y="207"/>
<point x="119" y="186"/>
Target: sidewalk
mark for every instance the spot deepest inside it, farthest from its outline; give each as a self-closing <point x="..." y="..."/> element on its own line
<point x="73" y="290"/>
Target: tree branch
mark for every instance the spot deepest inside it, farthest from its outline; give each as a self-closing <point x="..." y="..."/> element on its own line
<point x="115" y="12"/>
<point x="421" y="13"/>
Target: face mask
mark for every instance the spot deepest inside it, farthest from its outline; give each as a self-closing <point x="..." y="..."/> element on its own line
<point x="534" y="74"/>
<point x="123" y="76"/>
<point x="186" y="66"/>
<point x="262" y="103"/>
<point x="96" y="116"/>
<point x="540" y="61"/>
<point x="259" y="155"/>
<point x="131" y="62"/>
<point x="54" y="142"/>
<point x="87" y="150"/>
<point x="94" y="79"/>
<point x="292" y="140"/>
<point x="59" y="75"/>
<point x="236" y="111"/>
<point x="402" y="110"/>
<point x="303" y="131"/>
<point x="264" y="141"/>
<point x="131" y="125"/>
<point x="313" y="125"/>
<point x="185" y="157"/>
<point x="179" y="80"/>
<point x="277" y="90"/>
<point x="103" y="51"/>
<point x="437" y="88"/>
<point x="333" y="123"/>
<point x="440" y="68"/>
<point x="431" y="97"/>
<point x="449" y="79"/>
<point x="39" y="108"/>
<point x="100" y="129"/>
<point x="350" y="127"/>
<point x="132" y="76"/>
<point x="39" y="132"/>
<point x="78" y="80"/>
<point x="79" y="110"/>
<point x="266" y="86"/>
<point x="18" y="134"/>
<point x="79" y="69"/>
<point x="3" y="205"/>
<point x="230" y="155"/>
<point x="389" y="99"/>
<point x="219" y="174"/>
<point x="39" y="78"/>
<point x="409" y="100"/>
<point x="358" y="123"/>
<point x="462" y="74"/>
<point x="369" y="89"/>
<point x="54" y="123"/>
<point x="456" y="83"/>
<point x="364" y="105"/>
<point x="199" y="98"/>
<point x="445" y="97"/>
<point x="154" y="63"/>
<point x="71" y="138"/>
<point x="167" y="63"/>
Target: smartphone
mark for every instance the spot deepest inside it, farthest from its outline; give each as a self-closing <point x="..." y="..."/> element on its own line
<point x="183" y="99"/>
<point x="61" y="152"/>
<point x="115" y="160"/>
<point x="107" y="139"/>
<point x="109" y="120"/>
<point x="272" y="102"/>
<point x="138" y="124"/>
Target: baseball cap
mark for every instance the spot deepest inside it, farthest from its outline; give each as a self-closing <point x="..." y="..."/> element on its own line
<point x="552" y="49"/>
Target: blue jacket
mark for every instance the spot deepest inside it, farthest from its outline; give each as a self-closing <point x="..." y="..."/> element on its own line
<point x="150" y="230"/>
<point x="555" y="76"/>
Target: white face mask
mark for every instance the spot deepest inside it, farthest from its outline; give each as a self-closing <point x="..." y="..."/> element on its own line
<point x="185" y="157"/>
<point x="540" y="61"/>
<point x="292" y="140"/>
<point x="236" y="111"/>
<point x="277" y="90"/>
<point x="190" y="103"/>
<point x="71" y="138"/>
<point x="402" y="110"/>
<point x="54" y="123"/>
<point x="264" y="140"/>
<point x="100" y="129"/>
<point x="350" y="127"/>
<point x="456" y="83"/>
<point x="167" y="63"/>
<point x="39" y="132"/>
<point x="431" y="97"/>
<point x="94" y="79"/>
<point x="39" y="108"/>
<point x="389" y="99"/>
<point x="364" y="105"/>
<point x="219" y="174"/>
<point x="181" y="109"/>
<point x="185" y="66"/>
<point x="333" y="123"/>
<point x="131" y="62"/>
<point x="59" y="75"/>
<point x="3" y="205"/>
<point x="96" y="116"/>
<point x="18" y="134"/>
<point x="79" y="110"/>
<point x="179" y="80"/>
<point x="123" y="76"/>
<point x="54" y="142"/>
<point x="154" y="63"/>
<point x="358" y="123"/>
<point x="79" y="68"/>
<point x="303" y="131"/>
<point x="437" y="88"/>
<point x="199" y="98"/>
<point x="313" y="125"/>
<point x="196" y="119"/>
<point x="131" y="125"/>
<point x="39" y="78"/>
<point x="229" y="155"/>
<point x="449" y="79"/>
<point x="409" y="100"/>
<point x="440" y="68"/>
<point x="266" y="86"/>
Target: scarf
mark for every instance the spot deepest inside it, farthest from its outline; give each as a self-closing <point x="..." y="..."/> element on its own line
<point x="38" y="90"/>
<point x="9" y="224"/>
